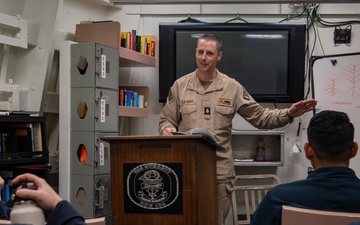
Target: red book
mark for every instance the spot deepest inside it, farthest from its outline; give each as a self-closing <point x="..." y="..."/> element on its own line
<point x="121" y="96"/>
<point x="132" y="42"/>
<point x="152" y="48"/>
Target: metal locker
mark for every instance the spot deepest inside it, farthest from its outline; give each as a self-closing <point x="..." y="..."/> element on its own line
<point x="91" y="195"/>
<point x="94" y="65"/>
<point x="88" y="154"/>
<point x="94" y="109"/>
<point x="94" y="113"/>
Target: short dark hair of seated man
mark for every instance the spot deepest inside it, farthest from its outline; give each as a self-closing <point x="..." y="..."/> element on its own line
<point x="331" y="136"/>
<point x="332" y="186"/>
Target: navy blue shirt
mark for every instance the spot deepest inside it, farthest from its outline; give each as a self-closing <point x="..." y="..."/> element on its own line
<point x="65" y="214"/>
<point x="3" y="213"/>
<point x="331" y="188"/>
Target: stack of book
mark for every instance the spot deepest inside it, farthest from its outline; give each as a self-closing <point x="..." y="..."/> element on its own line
<point x="142" y="44"/>
<point x="131" y="98"/>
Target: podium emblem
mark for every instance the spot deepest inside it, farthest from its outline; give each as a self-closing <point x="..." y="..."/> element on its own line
<point x="153" y="187"/>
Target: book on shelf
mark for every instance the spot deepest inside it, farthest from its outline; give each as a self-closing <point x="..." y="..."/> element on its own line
<point x="121" y="97"/>
<point x="37" y="137"/>
<point x="142" y="44"/>
<point x="153" y="48"/>
<point x="122" y="39"/>
<point x="3" y="137"/>
<point x="198" y="131"/>
<point x="1" y="142"/>
<point x="128" y="99"/>
<point x="148" y="45"/>
<point x="132" y="42"/>
<point x="137" y="43"/>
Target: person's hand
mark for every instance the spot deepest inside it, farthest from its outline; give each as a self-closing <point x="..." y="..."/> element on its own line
<point x="2" y="182"/>
<point x="167" y="131"/>
<point x="44" y="195"/>
<point x="301" y="107"/>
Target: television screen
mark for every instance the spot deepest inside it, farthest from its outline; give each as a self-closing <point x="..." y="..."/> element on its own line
<point x="267" y="59"/>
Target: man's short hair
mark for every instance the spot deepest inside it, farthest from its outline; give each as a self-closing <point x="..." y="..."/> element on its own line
<point x="331" y="135"/>
<point x="212" y="37"/>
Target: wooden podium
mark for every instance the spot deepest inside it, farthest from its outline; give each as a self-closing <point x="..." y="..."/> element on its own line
<point x="163" y="180"/>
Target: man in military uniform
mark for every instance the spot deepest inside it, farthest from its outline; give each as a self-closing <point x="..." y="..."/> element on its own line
<point x="209" y="99"/>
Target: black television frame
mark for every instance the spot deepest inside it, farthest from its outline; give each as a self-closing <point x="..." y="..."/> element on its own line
<point x="296" y="60"/>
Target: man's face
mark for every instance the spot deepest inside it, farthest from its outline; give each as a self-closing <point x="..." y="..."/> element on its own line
<point x="207" y="55"/>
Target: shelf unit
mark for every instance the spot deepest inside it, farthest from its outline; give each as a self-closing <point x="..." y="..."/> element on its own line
<point x="244" y="147"/>
<point x="130" y="58"/>
<point x="23" y="148"/>
<point x="94" y="32"/>
<point x="135" y="111"/>
<point x="19" y="141"/>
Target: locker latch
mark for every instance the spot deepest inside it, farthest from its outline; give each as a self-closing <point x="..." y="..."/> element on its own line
<point x="101" y="61"/>
<point x="100" y="189"/>
<point x="96" y="156"/>
<point x="99" y="159"/>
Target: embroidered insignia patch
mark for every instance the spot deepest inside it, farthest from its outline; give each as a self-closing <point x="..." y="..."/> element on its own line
<point x="225" y="101"/>
<point x="246" y="95"/>
<point x="207" y="111"/>
<point x="170" y="96"/>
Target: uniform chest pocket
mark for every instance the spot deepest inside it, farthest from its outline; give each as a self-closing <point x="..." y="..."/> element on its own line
<point x="223" y="117"/>
<point x="189" y="116"/>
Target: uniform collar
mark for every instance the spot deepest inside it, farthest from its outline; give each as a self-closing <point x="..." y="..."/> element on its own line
<point x="331" y="171"/>
<point x="195" y="85"/>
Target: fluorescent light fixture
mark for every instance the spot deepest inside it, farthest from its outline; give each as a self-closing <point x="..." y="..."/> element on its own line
<point x="196" y="36"/>
<point x="265" y="36"/>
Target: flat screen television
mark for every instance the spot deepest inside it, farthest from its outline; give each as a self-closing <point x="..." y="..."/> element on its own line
<point x="267" y="59"/>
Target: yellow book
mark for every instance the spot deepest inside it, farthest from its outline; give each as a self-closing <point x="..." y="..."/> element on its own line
<point x="123" y="40"/>
<point x="148" y="45"/>
<point x="143" y="44"/>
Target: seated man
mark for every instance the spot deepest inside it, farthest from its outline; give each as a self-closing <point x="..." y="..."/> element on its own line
<point x="332" y="186"/>
<point x="60" y="211"/>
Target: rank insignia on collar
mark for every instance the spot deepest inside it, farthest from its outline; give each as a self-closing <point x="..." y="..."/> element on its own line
<point x="225" y="101"/>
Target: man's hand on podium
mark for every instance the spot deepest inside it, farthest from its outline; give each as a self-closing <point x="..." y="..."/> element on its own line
<point x="167" y="131"/>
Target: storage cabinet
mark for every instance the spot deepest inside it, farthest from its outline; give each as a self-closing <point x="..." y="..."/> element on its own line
<point x="244" y="145"/>
<point x="93" y="114"/>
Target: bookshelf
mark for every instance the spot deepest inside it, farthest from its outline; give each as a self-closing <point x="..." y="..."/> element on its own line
<point x="108" y="33"/>
<point x="23" y="140"/>
<point x="130" y="58"/>
<point x="23" y="148"/>
<point x="135" y="111"/>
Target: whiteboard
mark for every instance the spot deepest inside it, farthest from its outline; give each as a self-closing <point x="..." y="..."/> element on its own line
<point x="336" y="86"/>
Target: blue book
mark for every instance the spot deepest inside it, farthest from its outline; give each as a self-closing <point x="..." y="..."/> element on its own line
<point x="136" y="99"/>
<point x="128" y="98"/>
